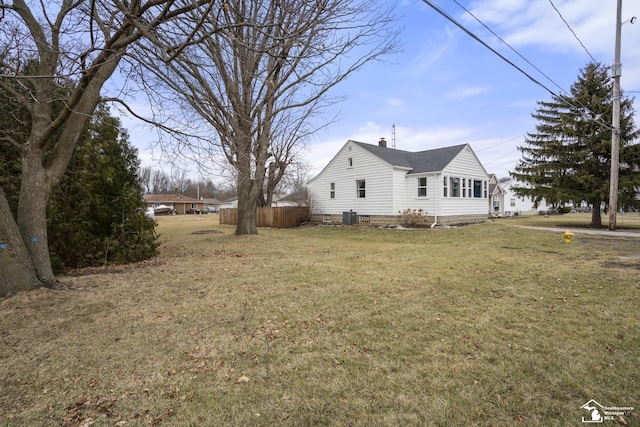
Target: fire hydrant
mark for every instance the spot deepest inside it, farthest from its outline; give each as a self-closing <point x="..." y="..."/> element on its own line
<point x="567" y="236"/>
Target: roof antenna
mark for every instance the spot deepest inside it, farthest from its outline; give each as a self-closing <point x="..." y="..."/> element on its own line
<point x="393" y="136"/>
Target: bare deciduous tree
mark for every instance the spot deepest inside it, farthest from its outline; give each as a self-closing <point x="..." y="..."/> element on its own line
<point x="258" y="84"/>
<point x="55" y="58"/>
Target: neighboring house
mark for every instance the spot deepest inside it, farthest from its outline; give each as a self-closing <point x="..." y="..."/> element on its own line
<point x="231" y="203"/>
<point x="496" y="197"/>
<point x="297" y="198"/>
<point x="181" y="204"/>
<point x="510" y="204"/>
<point x="211" y="204"/>
<point x="375" y="184"/>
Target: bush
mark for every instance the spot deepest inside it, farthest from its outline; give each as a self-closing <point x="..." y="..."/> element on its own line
<point x="414" y="217"/>
<point x="96" y="214"/>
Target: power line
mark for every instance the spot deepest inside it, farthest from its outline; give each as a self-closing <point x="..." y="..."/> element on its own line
<point x="482" y="42"/>
<point x="572" y="32"/>
<point x="463" y="28"/>
<point x="508" y="45"/>
<point x="500" y="143"/>
<point x="491" y="162"/>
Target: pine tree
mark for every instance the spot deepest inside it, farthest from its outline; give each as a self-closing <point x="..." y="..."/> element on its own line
<point x="96" y="214"/>
<point x="568" y="159"/>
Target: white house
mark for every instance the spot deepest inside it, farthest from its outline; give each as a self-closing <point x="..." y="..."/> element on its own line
<point x="510" y="204"/>
<point x="374" y="183"/>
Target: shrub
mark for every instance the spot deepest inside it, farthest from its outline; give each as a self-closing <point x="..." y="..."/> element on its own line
<point x="414" y="217"/>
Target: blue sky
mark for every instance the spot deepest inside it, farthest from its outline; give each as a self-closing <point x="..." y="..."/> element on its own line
<point x="445" y="88"/>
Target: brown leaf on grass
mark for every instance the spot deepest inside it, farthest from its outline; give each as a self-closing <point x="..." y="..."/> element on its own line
<point x="243" y="379"/>
<point x="271" y="333"/>
<point x="84" y="412"/>
<point x="622" y="421"/>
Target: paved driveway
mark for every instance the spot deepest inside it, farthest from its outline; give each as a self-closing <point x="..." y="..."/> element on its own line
<point x="582" y="231"/>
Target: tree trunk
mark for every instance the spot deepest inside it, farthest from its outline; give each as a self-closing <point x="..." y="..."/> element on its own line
<point x="16" y="269"/>
<point x="596" y="218"/>
<point x="248" y="194"/>
<point x="32" y="215"/>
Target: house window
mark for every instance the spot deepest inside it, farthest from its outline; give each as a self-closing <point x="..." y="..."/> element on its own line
<point x="464" y="187"/>
<point x="422" y="187"/>
<point x="454" y="183"/>
<point x="485" y="189"/>
<point x="444" y="186"/>
<point x="360" y="189"/>
<point x="513" y="202"/>
<point x="477" y="188"/>
<point x="332" y="193"/>
<point x="350" y="161"/>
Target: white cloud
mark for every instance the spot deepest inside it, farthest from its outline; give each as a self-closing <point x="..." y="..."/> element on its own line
<point x="430" y="52"/>
<point x="467" y="91"/>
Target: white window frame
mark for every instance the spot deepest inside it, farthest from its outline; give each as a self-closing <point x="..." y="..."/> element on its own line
<point x="479" y="188"/>
<point x="422" y="188"/>
<point x="454" y="184"/>
<point x="361" y="189"/>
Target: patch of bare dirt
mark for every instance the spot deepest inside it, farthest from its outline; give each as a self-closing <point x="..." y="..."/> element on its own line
<point x="115" y="268"/>
<point x="206" y="232"/>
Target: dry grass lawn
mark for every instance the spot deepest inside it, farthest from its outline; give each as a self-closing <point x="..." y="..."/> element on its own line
<point x="484" y="325"/>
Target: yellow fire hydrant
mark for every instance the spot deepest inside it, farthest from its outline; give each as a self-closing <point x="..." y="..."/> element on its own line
<point x="567" y="236"/>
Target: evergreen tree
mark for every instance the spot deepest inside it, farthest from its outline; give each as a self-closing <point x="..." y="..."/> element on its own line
<point x="568" y="158"/>
<point x="96" y="214"/>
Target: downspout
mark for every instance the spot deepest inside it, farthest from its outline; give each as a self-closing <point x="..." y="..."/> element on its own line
<point x="437" y="203"/>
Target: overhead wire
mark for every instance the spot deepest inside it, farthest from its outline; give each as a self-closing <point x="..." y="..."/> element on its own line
<point x="509" y="46"/>
<point x="482" y="42"/>
<point x="572" y="32"/>
<point x="499" y="143"/>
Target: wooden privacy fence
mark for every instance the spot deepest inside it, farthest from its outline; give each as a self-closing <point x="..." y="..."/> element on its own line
<point x="280" y="217"/>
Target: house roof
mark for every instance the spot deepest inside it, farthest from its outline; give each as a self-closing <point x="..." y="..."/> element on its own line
<point x="297" y="196"/>
<point x="169" y="198"/>
<point x="419" y="162"/>
<point x="210" y="200"/>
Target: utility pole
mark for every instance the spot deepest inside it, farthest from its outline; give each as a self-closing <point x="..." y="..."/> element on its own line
<point x="616" y="71"/>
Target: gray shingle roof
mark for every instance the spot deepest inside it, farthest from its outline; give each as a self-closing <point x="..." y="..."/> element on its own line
<point x="419" y="162"/>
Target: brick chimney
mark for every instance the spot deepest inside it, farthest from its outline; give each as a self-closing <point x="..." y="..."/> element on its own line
<point x="382" y="142"/>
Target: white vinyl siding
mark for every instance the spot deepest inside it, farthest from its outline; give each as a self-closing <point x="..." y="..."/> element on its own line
<point x="389" y="189"/>
<point x="377" y="174"/>
<point x="464" y="166"/>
